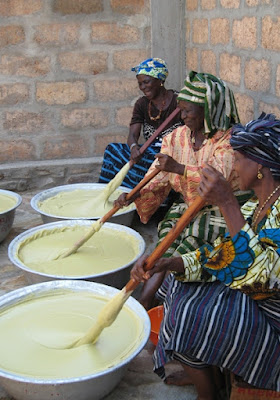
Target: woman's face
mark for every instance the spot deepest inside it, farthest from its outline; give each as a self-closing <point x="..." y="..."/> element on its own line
<point x="149" y="86"/>
<point x="246" y="169"/>
<point x="192" y="115"/>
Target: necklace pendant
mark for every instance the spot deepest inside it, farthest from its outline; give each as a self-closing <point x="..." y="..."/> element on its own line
<point x="160" y="111"/>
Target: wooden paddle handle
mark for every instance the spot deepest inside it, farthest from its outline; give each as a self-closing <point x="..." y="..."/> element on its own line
<point x="165" y="123"/>
<point x="130" y="195"/>
<point x="185" y="219"/>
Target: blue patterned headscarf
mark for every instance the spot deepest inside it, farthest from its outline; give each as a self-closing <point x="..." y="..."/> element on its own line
<point x="204" y="89"/>
<point x="154" y="67"/>
<point x="259" y="140"/>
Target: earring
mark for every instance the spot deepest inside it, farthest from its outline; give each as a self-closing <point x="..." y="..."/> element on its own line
<point x="259" y="174"/>
<point x="161" y="84"/>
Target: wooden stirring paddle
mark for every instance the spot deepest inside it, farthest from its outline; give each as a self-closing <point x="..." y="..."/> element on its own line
<point x="117" y="180"/>
<point x="96" y="226"/>
<point x="110" y="311"/>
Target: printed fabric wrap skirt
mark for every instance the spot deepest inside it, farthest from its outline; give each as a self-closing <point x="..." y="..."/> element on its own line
<point x="211" y="324"/>
<point x="116" y="155"/>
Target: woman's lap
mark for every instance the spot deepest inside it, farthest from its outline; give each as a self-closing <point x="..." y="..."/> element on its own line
<point x="210" y="324"/>
<point x="116" y="155"/>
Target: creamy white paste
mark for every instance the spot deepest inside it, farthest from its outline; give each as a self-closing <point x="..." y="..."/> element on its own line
<point x="6" y="202"/>
<point x="81" y="203"/>
<point x="34" y="335"/>
<point x="106" y="250"/>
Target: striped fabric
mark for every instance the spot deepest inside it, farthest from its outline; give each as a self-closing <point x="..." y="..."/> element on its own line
<point x="204" y="228"/>
<point x="220" y="110"/>
<point x="214" y="324"/>
<point x="211" y="324"/>
<point x="259" y="140"/>
<point x="116" y="155"/>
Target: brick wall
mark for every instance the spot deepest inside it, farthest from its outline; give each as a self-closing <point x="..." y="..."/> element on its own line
<point x="239" y="41"/>
<point x="66" y="88"/>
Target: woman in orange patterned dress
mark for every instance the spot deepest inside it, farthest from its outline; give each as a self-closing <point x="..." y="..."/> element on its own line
<point x="208" y="111"/>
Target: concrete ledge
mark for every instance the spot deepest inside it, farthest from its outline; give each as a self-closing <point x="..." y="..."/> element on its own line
<point x="44" y="174"/>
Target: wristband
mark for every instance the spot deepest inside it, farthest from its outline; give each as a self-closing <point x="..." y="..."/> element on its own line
<point x="132" y="145"/>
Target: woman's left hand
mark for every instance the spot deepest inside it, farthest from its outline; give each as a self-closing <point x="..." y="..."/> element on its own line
<point x="168" y="164"/>
<point x="213" y="187"/>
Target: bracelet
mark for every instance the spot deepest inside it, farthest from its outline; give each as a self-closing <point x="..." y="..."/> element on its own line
<point x="132" y="145"/>
<point x="185" y="172"/>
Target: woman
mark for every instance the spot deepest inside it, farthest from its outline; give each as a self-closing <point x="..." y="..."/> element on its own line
<point x="224" y="310"/>
<point x="208" y="111"/>
<point x="149" y="113"/>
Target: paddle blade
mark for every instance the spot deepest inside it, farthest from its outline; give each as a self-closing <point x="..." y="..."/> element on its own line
<point x="106" y="317"/>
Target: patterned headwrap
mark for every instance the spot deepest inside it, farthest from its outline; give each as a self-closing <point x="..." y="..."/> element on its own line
<point x="259" y="140"/>
<point x="154" y="67"/>
<point x="207" y="90"/>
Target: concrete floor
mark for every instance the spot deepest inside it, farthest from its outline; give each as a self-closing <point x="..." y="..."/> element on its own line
<point x="139" y="382"/>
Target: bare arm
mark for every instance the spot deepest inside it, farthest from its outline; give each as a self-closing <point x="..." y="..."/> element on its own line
<point x="168" y="164"/>
<point x="132" y="141"/>
<point x="134" y="134"/>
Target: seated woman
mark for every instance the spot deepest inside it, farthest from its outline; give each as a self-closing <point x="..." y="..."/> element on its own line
<point x="208" y="111"/>
<point x="149" y="113"/>
<point x="224" y="306"/>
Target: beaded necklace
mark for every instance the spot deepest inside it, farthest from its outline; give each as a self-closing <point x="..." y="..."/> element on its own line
<point x="264" y="204"/>
<point x="160" y="111"/>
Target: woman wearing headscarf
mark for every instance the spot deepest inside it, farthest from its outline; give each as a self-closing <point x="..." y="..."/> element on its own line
<point x="208" y="110"/>
<point x="225" y="309"/>
<point x="149" y="113"/>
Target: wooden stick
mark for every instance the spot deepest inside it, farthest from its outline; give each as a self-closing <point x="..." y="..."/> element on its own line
<point x="98" y="224"/>
<point x="144" y="147"/>
<point x="116" y="181"/>
<point x="110" y="311"/>
<point x="174" y="232"/>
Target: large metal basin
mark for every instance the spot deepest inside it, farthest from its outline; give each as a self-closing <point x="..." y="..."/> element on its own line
<point x="7" y="216"/>
<point x="117" y="277"/>
<point x="91" y="387"/>
<point x="124" y="217"/>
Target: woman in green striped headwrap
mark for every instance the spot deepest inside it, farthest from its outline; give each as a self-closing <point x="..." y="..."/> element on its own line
<point x="216" y="99"/>
<point x="208" y="110"/>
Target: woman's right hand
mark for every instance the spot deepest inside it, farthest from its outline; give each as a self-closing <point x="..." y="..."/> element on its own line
<point x="122" y="201"/>
<point x="168" y="164"/>
<point x="135" y="154"/>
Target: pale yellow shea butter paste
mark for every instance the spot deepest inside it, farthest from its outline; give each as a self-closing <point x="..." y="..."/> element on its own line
<point x="6" y="202"/>
<point x="106" y="250"/>
<point x="81" y="203"/>
<point x="34" y="335"/>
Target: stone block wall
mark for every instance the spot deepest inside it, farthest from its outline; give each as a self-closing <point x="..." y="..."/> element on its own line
<point x="66" y="86"/>
<point x="239" y="41"/>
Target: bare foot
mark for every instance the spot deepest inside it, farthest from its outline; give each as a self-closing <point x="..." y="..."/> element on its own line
<point x="179" y="378"/>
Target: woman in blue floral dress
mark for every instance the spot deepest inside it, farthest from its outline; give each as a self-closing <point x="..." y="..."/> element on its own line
<point x="224" y="306"/>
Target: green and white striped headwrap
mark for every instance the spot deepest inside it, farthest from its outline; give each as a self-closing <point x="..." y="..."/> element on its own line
<point x="207" y="90"/>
